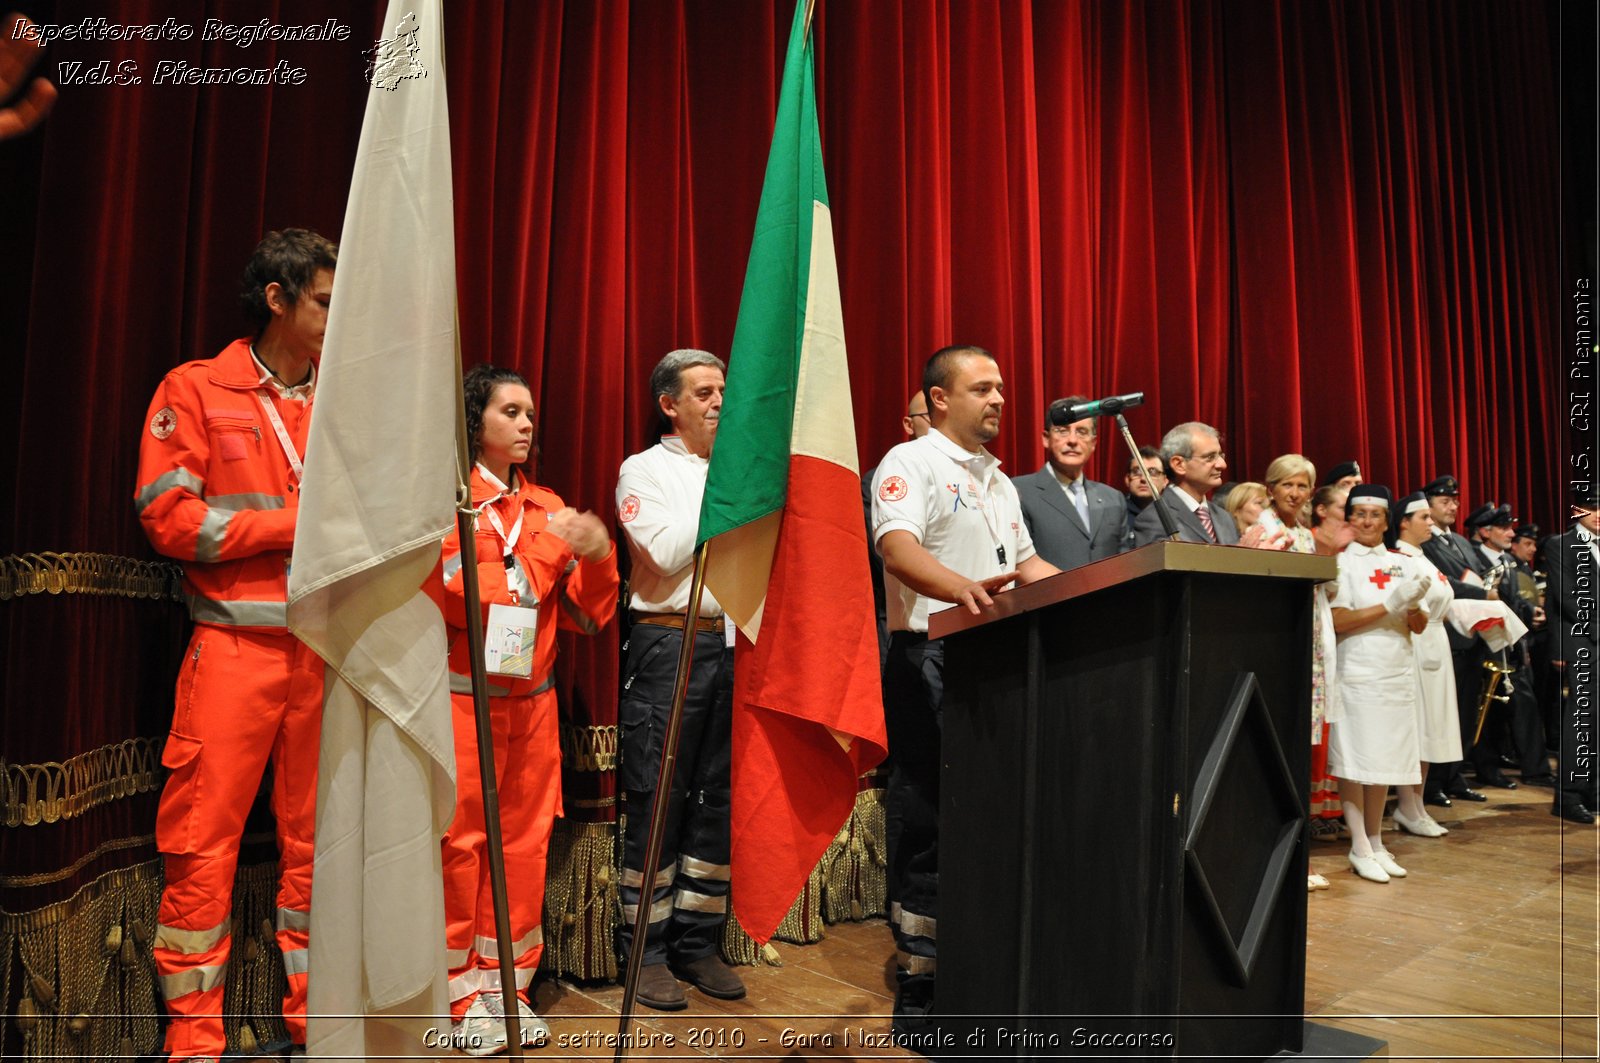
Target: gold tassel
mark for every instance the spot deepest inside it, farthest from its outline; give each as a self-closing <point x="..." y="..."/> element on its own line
<point x="581" y="903"/>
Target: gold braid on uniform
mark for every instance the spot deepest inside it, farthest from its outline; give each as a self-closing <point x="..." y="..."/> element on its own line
<point x="83" y="573"/>
<point x="31" y="794"/>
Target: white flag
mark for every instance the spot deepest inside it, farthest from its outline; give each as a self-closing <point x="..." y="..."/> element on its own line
<point x="378" y="497"/>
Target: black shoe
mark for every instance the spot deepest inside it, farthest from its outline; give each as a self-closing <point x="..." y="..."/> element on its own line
<point x="1463" y="792"/>
<point x="1573" y="813"/>
<point x="1542" y="778"/>
<point x="1507" y="761"/>
<point x="1496" y="778"/>
<point x="1436" y="797"/>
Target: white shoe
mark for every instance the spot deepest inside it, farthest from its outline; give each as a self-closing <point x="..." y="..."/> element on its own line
<point x="1316" y="882"/>
<point x="1423" y="827"/>
<point x="480" y="1032"/>
<point x="1386" y="861"/>
<point x="1368" y="868"/>
<point x="534" y="1030"/>
<point x="1436" y="825"/>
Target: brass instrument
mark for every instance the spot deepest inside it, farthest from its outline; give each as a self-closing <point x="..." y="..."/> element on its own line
<point x="1495" y="670"/>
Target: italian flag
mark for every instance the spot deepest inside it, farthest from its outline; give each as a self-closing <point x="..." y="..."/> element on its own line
<point x="788" y="553"/>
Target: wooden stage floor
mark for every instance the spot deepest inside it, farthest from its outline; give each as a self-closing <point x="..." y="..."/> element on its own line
<point x="1486" y="951"/>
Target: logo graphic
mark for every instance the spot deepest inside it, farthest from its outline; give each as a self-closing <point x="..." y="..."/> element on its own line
<point x="394" y="59"/>
<point x="629" y="509"/>
<point x="164" y="423"/>
<point x="892" y="489"/>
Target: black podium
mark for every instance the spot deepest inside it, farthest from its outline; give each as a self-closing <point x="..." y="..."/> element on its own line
<point x="1126" y="759"/>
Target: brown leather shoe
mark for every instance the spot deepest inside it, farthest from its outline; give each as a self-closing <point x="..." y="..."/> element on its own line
<point x="659" y="990"/>
<point x="712" y="977"/>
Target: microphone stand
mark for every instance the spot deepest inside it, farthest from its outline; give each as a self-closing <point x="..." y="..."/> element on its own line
<point x="1168" y="525"/>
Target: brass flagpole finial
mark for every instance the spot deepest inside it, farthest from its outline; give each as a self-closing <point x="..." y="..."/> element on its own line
<point x="811" y="9"/>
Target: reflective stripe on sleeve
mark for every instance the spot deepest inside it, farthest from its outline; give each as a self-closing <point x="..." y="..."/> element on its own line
<point x="213" y="529"/>
<point x="166" y="482"/>
<point x="293" y="919"/>
<point x="296" y="961"/>
<point x="248" y="500"/>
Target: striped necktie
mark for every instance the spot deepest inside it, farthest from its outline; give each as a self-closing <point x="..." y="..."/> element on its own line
<point x="1203" y="511"/>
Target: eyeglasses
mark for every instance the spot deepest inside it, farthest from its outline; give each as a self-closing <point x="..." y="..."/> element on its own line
<point x="1210" y="459"/>
<point x="914" y="416"/>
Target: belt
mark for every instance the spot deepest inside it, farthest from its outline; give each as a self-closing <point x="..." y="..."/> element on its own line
<point x="703" y="623"/>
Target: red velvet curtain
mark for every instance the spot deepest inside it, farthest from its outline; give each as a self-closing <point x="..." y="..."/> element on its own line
<point x="1331" y="227"/>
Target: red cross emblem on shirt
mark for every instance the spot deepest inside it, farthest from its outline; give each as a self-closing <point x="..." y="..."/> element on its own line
<point x="1381" y="578"/>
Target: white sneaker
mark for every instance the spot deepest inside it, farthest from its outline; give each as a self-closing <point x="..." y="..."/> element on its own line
<point x="482" y="1030"/>
<point x="1386" y="861"/>
<point x="534" y="1030"/>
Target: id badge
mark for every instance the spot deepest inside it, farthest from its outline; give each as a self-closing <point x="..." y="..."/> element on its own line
<point x="508" y="641"/>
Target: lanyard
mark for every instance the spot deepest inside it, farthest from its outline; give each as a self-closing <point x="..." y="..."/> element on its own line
<point x="984" y="506"/>
<point x="283" y="435"/>
<point x="507" y="540"/>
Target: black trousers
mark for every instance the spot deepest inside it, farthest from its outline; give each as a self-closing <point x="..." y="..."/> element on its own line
<point x="913" y="689"/>
<point x="689" y="886"/>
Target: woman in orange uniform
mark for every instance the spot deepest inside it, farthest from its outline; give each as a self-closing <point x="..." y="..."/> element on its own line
<point x="540" y="565"/>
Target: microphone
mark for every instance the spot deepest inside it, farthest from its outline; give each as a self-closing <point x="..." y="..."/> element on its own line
<point x="1065" y="415"/>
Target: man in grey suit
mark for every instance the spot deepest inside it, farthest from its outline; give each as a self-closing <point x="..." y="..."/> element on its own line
<point x="1195" y="463"/>
<point x="1073" y="520"/>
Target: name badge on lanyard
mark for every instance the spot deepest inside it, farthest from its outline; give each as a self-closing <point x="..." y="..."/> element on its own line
<point x="508" y="639"/>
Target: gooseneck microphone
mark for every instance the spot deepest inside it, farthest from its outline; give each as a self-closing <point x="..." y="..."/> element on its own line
<point x="1065" y="415"/>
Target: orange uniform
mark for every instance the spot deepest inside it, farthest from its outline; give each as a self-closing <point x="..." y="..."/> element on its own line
<point x="218" y="491"/>
<point x="578" y="595"/>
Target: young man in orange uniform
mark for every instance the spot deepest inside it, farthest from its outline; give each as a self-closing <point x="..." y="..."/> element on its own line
<point x="220" y="464"/>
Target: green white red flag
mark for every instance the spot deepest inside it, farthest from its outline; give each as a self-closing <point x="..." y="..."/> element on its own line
<point x="788" y="556"/>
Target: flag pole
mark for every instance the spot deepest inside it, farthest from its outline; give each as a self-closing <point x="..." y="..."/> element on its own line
<point x="658" y="807"/>
<point x="466" y="529"/>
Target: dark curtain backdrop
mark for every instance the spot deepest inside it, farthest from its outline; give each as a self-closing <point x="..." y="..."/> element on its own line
<point x="1327" y="227"/>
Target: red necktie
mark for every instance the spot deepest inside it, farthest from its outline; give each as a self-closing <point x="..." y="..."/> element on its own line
<point x="1204" y="513"/>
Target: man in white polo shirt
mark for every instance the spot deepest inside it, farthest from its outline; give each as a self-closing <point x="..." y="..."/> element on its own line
<point x="949" y="527"/>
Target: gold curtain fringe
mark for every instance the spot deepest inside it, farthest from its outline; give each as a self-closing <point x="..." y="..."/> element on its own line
<point x="855" y="867"/>
<point x="82" y="972"/>
<point x="85" y="573"/>
<point x="589" y="748"/>
<point x="31" y="794"/>
<point x="581" y="904"/>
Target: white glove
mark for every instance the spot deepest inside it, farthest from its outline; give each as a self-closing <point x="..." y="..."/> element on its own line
<point x="1405" y="595"/>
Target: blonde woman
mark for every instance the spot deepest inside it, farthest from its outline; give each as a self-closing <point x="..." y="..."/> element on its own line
<point x="1288" y="480"/>
<point x="1245" y="504"/>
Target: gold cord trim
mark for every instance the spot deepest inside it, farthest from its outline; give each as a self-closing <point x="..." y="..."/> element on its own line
<point x="31" y="794"/>
<point x="84" y="573"/>
<point x="17" y="923"/>
<point x="589" y="748"/>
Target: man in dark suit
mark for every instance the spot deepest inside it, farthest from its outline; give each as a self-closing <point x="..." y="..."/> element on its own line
<point x="1195" y="463"/>
<point x="1453" y="555"/>
<point x="1073" y="520"/>
<point x="1512" y="733"/>
<point x="1139" y="495"/>
<point x="1572" y="565"/>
